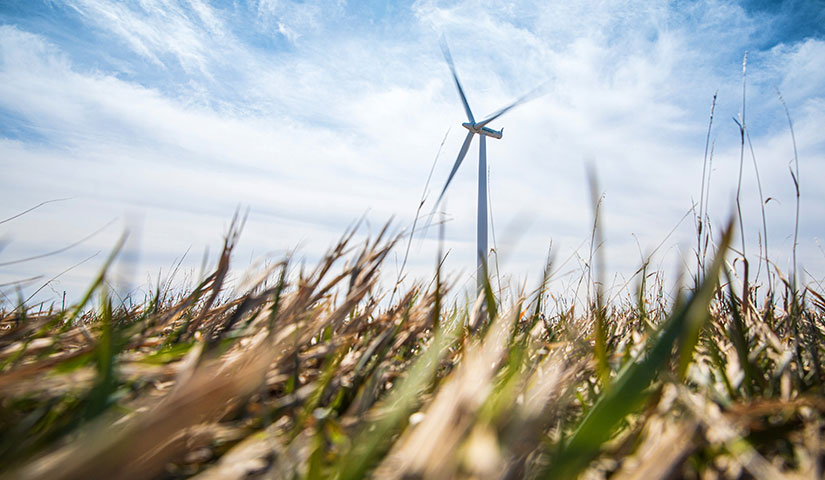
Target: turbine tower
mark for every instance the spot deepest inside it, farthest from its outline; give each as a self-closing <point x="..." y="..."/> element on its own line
<point x="483" y="131"/>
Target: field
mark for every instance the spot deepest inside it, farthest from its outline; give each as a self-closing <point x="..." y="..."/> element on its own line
<point x="320" y="374"/>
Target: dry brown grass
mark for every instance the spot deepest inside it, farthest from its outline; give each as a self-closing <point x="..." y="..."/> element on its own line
<point x="313" y="376"/>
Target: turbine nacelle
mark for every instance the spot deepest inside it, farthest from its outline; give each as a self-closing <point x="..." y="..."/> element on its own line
<point x="482" y="130"/>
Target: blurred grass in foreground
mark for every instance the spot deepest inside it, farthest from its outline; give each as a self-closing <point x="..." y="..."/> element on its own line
<point x="313" y="376"/>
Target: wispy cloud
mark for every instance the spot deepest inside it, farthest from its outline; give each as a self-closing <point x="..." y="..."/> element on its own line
<point x="312" y="113"/>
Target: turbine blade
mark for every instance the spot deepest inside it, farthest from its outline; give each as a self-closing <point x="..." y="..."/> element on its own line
<point x="461" y="154"/>
<point x="449" y="58"/>
<point x="524" y="98"/>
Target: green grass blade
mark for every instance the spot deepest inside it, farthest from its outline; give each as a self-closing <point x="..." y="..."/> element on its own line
<point x="375" y="438"/>
<point x="628" y="390"/>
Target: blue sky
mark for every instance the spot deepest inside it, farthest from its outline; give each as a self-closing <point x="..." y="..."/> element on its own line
<point x="163" y="116"/>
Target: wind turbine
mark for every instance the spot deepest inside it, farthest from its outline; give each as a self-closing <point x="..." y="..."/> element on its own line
<point x="483" y="131"/>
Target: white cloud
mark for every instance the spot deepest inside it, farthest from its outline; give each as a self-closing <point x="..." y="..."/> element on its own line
<point x="294" y="19"/>
<point x="314" y="136"/>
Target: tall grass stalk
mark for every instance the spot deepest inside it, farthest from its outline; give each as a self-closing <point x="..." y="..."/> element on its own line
<point x="596" y="305"/>
<point x="762" y="203"/>
<point x="700" y="218"/>
<point x="417" y="215"/>
<point x="795" y="176"/>
<point x="741" y="124"/>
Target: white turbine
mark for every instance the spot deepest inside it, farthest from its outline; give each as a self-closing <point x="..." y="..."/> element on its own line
<point x="483" y="132"/>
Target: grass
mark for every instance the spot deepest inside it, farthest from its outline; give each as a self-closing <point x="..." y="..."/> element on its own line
<point x="312" y="376"/>
<point x="324" y="375"/>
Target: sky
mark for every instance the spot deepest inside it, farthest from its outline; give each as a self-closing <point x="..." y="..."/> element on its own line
<point x="163" y="117"/>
